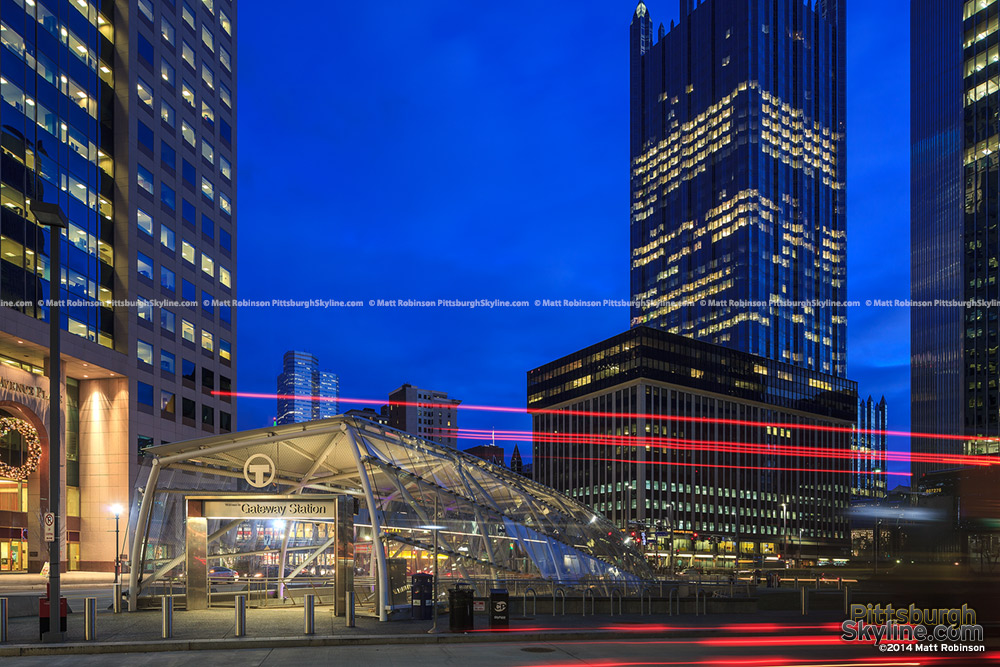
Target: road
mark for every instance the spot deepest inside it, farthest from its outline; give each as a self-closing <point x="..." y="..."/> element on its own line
<point x="818" y="651"/>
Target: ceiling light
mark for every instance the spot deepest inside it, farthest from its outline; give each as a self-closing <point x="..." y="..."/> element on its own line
<point x="105" y="69"/>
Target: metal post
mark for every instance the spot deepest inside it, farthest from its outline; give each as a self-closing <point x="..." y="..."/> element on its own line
<point x="310" y="614"/>
<point x="804" y="592"/>
<point x="117" y="595"/>
<point x="118" y="551"/>
<point x="349" y="614"/>
<point x="3" y="620"/>
<point x="241" y="616"/>
<point x="847" y="599"/>
<point x="90" y="619"/>
<point x="168" y="617"/>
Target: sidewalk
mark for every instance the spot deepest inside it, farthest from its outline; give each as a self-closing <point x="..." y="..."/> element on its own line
<point x="283" y="627"/>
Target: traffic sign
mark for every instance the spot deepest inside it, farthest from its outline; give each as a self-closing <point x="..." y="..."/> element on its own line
<point x="49" y="524"/>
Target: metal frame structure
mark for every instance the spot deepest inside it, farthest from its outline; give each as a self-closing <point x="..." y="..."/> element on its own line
<point x="495" y="523"/>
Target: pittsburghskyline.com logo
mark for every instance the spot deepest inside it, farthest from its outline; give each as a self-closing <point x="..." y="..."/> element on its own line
<point x="914" y="629"/>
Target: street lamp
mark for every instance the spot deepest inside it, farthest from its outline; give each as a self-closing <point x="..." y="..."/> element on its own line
<point x="52" y="216"/>
<point x="116" y="509"/>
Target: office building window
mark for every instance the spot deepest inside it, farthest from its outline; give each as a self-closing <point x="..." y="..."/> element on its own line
<point x="207" y="227"/>
<point x="208" y="415"/>
<point x="187" y="93"/>
<point x="187" y="53"/>
<point x="144" y="309"/>
<point x="168" y="279"/>
<point x="144" y="394"/>
<point x="207" y="379"/>
<point x="145" y="222"/>
<point x="207" y="189"/>
<point x="225" y="204"/>
<point x="207" y="151"/>
<point x="167" y="31"/>
<point x="168" y="238"/>
<point x="187" y="134"/>
<point x="167" y="114"/>
<point x="207" y="38"/>
<point x="187" y="331"/>
<point x="189" y="293"/>
<point x="208" y="76"/>
<point x="187" y="408"/>
<point x="144" y="352"/>
<point x="187" y="252"/>
<point x="207" y="341"/>
<point x="225" y="278"/>
<point x="168" y="320"/>
<point x="167" y="196"/>
<point x="168" y="156"/>
<point x="145" y="179"/>
<point x="146" y="9"/>
<point x="207" y="113"/>
<point x="187" y="14"/>
<point x="145" y="91"/>
<point x="168" y="362"/>
<point x="227" y="25"/>
<point x="207" y="265"/>
<point x="226" y="95"/>
<point x="226" y="168"/>
<point x="144" y="266"/>
<point x="187" y="370"/>
<point x="167" y="71"/>
<point x="145" y="136"/>
<point x="167" y="402"/>
<point x="225" y="349"/>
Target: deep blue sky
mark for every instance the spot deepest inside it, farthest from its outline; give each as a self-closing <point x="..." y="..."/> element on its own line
<point x="461" y="150"/>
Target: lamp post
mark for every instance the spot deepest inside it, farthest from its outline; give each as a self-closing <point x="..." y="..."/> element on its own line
<point x="117" y="510"/>
<point x="52" y="216"/>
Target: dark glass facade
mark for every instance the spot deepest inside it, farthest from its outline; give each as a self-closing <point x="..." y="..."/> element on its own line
<point x="676" y="434"/>
<point x="737" y="178"/>
<point x="299" y="384"/>
<point x="58" y="124"/>
<point x="869" y="447"/>
<point x="955" y="248"/>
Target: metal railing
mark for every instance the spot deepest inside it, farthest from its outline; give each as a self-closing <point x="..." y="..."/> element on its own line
<point x="615" y="592"/>
<point x="534" y="602"/>
<point x="562" y="594"/>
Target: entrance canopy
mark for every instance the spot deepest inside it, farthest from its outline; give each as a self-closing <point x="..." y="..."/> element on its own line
<point x="492" y="523"/>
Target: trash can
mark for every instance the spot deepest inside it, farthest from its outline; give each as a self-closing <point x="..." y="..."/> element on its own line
<point x="460" y="609"/>
<point x="499" y="609"/>
<point x="421" y="596"/>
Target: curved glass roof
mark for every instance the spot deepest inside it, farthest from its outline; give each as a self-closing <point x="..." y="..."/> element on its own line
<point x="492" y="523"/>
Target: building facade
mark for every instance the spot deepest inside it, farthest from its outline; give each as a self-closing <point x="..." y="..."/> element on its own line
<point x="305" y="392"/>
<point x="425" y="413"/>
<point x="738" y="169"/>
<point x="732" y="457"/>
<point x="954" y="247"/>
<point x="124" y="114"/>
<point x="869" y="445"/>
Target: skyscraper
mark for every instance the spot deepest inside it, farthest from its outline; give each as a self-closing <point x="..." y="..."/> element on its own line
<point x="424" y="412"/>
<point x="305" y="392"/>
<point x="124" y="114"/>
<point x="954" y="252"/>
<point x="869" y="446"/>
<point x="737" y="177"/>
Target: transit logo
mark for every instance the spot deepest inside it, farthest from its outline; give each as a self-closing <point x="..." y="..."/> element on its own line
<point x="259" y="470"/>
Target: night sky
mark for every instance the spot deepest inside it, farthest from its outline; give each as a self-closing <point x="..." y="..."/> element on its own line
<point x="455" y="150"/>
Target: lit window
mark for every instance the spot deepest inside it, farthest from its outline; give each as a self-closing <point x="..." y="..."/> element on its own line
<point x="145" y="178"/>
<point x="188" y="15"/>
<point x="187" y="331"/>
<point x="207" y="38"/>
<point x="167" y="30"/>
<point x="144" y="352"/>
<point x="224" y="21"/>
<point x="210" y="4"/>
<point x="187" y="252"/>
<point x="225" y="95"/>
<point x="225" y="349"/>
<point x="208" y="76"/>
<point x="167" y="114"/>
<point x="145" y="266"/>
<point x="226" y="59"/>
<point x="207" y="151"/>
<point x="207" y="188"/>
<point x="207" y="113"/>
<point x="167" y="402"/>
<point x="146" y="8"/>
<point x="167" y="71"/>
<point x="225" y="168"/>
<point x="207" y="341"/>
<point x="207" y="265"/>
<point x="225" y="278"/>
<point x="187" y="93"/>
<point x="144" y="309"/>
<point x="187" y="53"/>
<point x="145" y="221"/>
<point x="187" y="133"/>
<point x="145" y="91"/>
<point x="225" y="204"/>
<point x="167" y="238"/>
<point x="168" y="321"/>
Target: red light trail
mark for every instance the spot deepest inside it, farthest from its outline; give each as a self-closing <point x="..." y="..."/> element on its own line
<point x="590" y="413"/>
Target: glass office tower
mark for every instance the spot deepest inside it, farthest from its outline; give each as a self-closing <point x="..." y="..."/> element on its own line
<point x="123" y="112"/>
<point x="738" y="171"/>
<point x="305" y="392"/>
<point x="955" y="77"/>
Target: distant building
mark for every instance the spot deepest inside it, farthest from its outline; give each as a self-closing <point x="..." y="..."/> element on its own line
<point x="516" y="464"/>
<point x="654" y="428"/>
<point x="492" y="453"/>
<point x="424" y="413"/>
<point x="869" y="446"/>
<point x="370" y="414"/>
<point x="305" y="392"/>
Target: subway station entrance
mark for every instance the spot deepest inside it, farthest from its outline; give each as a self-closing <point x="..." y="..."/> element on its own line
<point x="346" y="504"/>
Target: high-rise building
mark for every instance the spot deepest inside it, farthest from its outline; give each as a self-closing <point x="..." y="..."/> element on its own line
<point x="516" y="463"/>
<point x="305" y="392"/>
<point x="869" y="445"/>
<point x="489" y="452"/>
<point x="733" y="456"/>
<point x="425" y="413"/>
<point x="124" y="114"/>
<point x="954" y="253"/>
<point x="737" y="177"/>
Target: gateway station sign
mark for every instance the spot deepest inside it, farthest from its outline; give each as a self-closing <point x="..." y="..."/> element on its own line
<point x="300" y="507"/>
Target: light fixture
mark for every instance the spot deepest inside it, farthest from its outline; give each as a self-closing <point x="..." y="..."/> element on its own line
<point x="116" y="509"/>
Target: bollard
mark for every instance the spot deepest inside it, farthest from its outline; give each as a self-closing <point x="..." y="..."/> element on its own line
<point x="241" y="616"/>
<point x="89" y="619"/>
<point x="349" y="616"/>
<point x="167" y="625"/>
<point x="805" y="600"/>
<point x="817" y="583"/>
<point x="117" y="595"/>
<point x="3" y="620"/>
<point x="839" y="583"/>
<point x="847" y="600"/>
<point x="309" y="608"/>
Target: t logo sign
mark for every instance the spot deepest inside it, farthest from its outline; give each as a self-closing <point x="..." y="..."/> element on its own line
<point x="259" y="470"/>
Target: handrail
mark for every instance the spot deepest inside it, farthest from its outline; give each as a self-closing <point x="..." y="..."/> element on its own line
<point x="642" y="596"/>
<point x="593" y="603"/>
<point x="534" y="602"/>
<point x="612" y="601"/>
<point x="562" y="594"/>
<point x="704" y="602"/>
